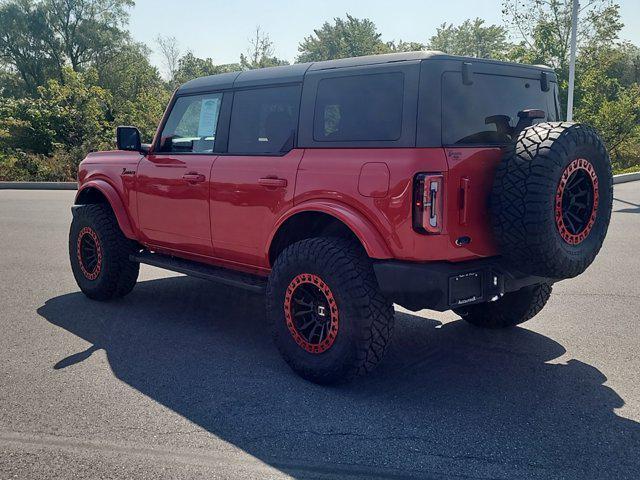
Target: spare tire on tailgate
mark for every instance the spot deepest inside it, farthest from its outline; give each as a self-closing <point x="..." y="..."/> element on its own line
<point x="551" y="199"/>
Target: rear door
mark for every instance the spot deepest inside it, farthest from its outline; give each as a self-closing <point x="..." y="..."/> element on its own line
<point x="254" y="182"/>
<point x="174" y="181"/>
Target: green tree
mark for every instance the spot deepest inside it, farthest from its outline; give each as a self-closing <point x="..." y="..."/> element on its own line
<point x="402" y="46"/>
<point x="70" y="113"/>
<point x="24" y="43"/>
<point x="544" y="29"/>
<point x="603" y="100"/>
<point x="260" y="53"/>
<point x="138" y="93"/>
<point x="81" y="29"/>
<point x="350" y="37"/>
<point x="471" y="38"/>
<point x="190" y="67"/>
<point x="627" y="64"/>
<point x="39" y="37"/>
<point x="11" y="85"/>
<point x="44" y="138"/>
<point x="607" y="93"/>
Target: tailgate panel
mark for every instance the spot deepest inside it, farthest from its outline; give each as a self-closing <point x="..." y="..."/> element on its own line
<point x="469" y="183"/>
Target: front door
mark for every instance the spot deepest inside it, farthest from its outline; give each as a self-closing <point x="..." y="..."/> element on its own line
<point x="254" y="182"/>
<point x="174" y="181"/>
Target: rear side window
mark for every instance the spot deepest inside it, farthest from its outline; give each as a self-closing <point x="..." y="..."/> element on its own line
<point x="477" y="114"/>
<point x="359" y="108"/>
<point x="192" y="123"/>
<point x="263" y="121"/>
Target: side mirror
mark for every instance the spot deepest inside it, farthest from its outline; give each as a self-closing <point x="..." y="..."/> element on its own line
<point x="128" y="138"/>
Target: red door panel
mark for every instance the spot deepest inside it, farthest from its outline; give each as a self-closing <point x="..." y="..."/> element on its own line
<point x="248" y="195"/>
<point x="469" y="183"/>
<point x="173" y="202"/>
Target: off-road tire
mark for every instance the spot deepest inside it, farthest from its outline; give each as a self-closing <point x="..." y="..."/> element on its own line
<point x="523" y="200"/>
<point x="116" y="275"/>
<point x="366" y="317"/>
<point x="512" y="309"/>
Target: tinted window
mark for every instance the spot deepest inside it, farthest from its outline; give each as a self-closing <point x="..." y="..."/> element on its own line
<point x="359" y="108"/>
<point x="191" y="126"/>
<point x="467" y="110"/>
<point x="264" y="120"/>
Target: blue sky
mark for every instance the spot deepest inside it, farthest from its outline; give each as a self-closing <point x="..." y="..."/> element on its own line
<point x="221" y="29"/>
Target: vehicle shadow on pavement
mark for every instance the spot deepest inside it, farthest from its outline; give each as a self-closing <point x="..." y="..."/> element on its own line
<point x="635" y="208"/>
<point x="448" y="401"/>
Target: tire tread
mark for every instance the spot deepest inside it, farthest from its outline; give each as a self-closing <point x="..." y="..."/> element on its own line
<point x="122" y="273"/>
<point x="358" y="284"/>
<point x="512" y="309"/>
<point x="522" y="196"/>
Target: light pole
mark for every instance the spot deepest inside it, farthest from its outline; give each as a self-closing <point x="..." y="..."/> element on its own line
<point x="572" y="59"/>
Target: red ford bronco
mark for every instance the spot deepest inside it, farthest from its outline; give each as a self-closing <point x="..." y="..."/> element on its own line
<point x="339" y="188"/>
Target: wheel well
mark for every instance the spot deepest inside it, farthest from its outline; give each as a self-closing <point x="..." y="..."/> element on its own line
<point x="308" y="225"/>
<point x="91" y="196"/>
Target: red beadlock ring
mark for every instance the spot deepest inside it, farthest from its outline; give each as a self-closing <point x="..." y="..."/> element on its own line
<point x="326" y="301"/>
<point x="90" y="267"/>
<point x="579" y="164"/>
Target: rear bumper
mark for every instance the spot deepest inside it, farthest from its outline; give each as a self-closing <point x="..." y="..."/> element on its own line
<point x="444" y="285"/>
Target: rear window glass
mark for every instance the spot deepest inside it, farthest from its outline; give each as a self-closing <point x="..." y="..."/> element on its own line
<point x="359" y="108"/>
<point x="263" y="121"/>
<point x="470" y="113"/>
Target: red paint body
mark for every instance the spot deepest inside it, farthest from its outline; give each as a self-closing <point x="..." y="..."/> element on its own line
<point x="226" y="209"/>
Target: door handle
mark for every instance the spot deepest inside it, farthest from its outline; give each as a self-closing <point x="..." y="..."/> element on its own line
<point x="272" y="182"/>
<point x="464" y="201"/>
<point x="193" y="177"/>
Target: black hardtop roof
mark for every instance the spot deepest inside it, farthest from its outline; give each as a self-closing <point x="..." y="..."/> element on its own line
<point x="295" y="73"/>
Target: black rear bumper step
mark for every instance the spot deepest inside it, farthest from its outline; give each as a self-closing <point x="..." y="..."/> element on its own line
<point x="233" y="278"/>
<point x="444" y="286"/>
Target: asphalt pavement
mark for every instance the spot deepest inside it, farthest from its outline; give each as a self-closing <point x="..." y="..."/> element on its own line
<point x="180" y="379"/>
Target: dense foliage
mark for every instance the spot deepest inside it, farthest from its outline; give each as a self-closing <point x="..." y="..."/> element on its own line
<point x="70" y="72"/>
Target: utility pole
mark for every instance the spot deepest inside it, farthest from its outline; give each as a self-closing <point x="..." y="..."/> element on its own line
<point x="572" y="59"/>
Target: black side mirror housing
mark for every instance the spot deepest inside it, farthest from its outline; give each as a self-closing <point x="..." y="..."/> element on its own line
<point x="128" y="138"/>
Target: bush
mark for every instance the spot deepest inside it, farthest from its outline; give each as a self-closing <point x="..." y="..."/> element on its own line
<point x="45" y="138"/>
<point x="69" y="113"/>
<point x="20" y="166"/>
<point x="626" y="156"/>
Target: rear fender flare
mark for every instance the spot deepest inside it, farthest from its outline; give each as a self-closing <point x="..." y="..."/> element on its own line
<point x="363" y="229"/>
<point x="115" y="202"/>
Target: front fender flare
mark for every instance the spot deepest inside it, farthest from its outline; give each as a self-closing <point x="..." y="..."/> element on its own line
<point x="111" y="194"/>
<point x="369" y="236"/>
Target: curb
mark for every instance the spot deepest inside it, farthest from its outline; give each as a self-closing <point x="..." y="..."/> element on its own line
<point x="38" y="185"/>
<point x="623" y="178"/>
<point x="626" y="177"/>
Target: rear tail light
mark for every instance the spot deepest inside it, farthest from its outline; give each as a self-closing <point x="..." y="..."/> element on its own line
<point x="428" y="196"/>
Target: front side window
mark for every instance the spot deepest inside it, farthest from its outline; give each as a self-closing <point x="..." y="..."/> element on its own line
<point x="359" y="108"/>
<point x="486" y="112"/>
<point x="192" y="123"/>
<point x="264" y="120"/>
